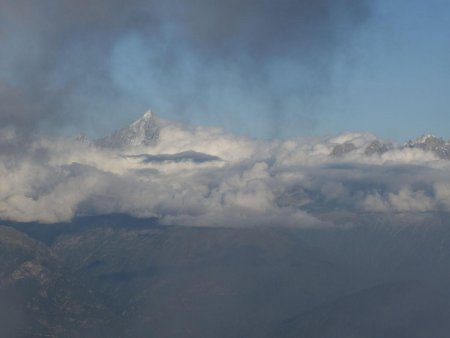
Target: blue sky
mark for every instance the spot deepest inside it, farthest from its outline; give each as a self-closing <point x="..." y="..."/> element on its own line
<point x="399" y="84"/>
<point x="394" y="82"/>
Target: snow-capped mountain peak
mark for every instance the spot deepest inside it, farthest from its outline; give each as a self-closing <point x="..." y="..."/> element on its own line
<point x="143" y="131"/>
<point x="148" y="117"/>
<point x="424" y="139"/>
<point x="429" y="142"/>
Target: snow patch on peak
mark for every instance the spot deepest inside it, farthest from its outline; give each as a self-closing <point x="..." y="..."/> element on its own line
<point x="149" y="117"/>
<point x="148" y="114"/>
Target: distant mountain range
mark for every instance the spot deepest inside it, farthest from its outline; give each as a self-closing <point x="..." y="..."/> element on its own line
<point x="428" y="143"/>
<point x="145" y="132"/>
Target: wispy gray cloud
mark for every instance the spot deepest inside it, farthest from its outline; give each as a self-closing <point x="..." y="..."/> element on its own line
<point x="61" y="61"/>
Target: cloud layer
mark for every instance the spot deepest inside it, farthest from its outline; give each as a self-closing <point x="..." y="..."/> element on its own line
<point x="206" y="177"/>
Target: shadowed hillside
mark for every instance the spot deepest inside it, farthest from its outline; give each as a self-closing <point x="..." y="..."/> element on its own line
<point x="141" y="279"/>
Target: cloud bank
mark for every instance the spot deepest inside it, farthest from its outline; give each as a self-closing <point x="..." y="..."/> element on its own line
<point x="206" y="177"/>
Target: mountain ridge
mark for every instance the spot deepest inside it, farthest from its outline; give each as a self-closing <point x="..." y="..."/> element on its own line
<point x="146" y="132"/>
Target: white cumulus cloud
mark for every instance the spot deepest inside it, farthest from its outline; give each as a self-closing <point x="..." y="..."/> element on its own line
<point x="206" y="177"/>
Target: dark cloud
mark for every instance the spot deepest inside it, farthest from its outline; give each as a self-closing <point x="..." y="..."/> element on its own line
<point x="263" y="29"/>
<point x="185" y="156"/>
<point x="57" y="56"/>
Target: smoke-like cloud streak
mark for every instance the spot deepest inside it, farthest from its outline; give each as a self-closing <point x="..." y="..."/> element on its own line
<point x="64" y="60"/>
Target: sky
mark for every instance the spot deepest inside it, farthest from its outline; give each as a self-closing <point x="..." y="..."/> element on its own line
<point x="257" y="68"/>
<point x="398" y="87"/>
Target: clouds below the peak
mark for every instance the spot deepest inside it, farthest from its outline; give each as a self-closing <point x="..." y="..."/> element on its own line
<point x="242" y="182"/>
